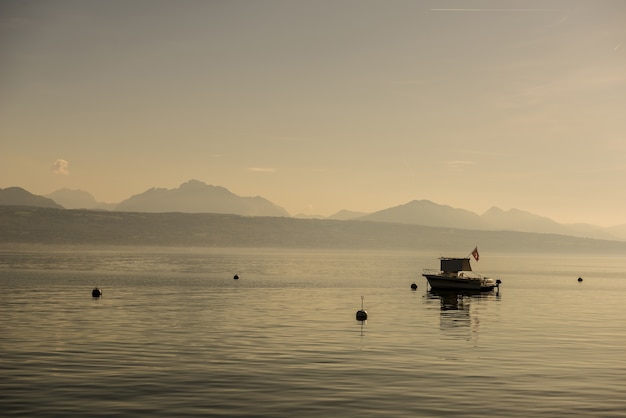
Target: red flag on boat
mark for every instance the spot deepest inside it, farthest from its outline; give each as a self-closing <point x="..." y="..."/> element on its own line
<point x="475" y="253"/>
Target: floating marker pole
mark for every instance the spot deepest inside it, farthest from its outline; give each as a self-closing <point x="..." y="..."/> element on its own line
<point x="362" y="314"/>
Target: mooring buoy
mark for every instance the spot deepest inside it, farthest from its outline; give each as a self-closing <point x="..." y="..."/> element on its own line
<point x="96" y="293"/>
<point x="414" y="286"/>
<point x="236" y="277"/>
<point x="362" y="314"/>
<point x="580" y="279"/>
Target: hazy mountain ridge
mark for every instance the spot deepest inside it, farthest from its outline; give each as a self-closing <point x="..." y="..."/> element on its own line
<point x="33" y="227"/>
<point x="78" y="199"/>
<point x="197" y="197"/>
<point x="345" y="215"/>
<point x="425" y="212"/>
<point x="16" y="196"/>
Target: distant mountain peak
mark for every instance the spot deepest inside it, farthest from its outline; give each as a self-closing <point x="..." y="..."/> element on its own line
<point x="346" y="215"/>
<point x="493" y="210"/>
<point x="78" y="199"/>
<point x="513" y="214"/>
<point x="428" y="213"/>
<point x="195" y="196"/>
<point x="197" y="186"/>
<point x="16" y="196"/>
<point x="193" y="184"/>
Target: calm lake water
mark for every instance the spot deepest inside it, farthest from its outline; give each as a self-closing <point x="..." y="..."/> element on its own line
<point x="175" y="335"/>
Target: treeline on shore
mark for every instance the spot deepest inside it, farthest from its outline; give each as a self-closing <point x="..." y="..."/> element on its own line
<point x="46" y="226"/>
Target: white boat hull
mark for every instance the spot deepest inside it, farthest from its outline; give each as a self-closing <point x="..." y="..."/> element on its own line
<point x="463" y="283"/>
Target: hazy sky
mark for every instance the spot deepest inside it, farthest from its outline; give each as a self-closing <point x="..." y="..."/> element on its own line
<point x="320" y="106"/>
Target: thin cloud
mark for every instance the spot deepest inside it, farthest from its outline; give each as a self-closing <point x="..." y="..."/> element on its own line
<point x="262" y="169"/>
<point x="61" y="166"/>
<point x="459" y="164"/>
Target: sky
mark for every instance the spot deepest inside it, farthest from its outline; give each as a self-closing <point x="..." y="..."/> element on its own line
<point x="320" y="106"/>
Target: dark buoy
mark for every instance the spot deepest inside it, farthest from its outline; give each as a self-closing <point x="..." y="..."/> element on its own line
<point x="236" y="277"/>
<point x="498" y="282"/>
<point x="362" y="314"/>
<point x="414" y="286"/>
<point x="96" y="293"/>
<point x="580" y="279"/>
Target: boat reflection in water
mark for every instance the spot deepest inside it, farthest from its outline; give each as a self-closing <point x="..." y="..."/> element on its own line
<point x="457" y="317"/>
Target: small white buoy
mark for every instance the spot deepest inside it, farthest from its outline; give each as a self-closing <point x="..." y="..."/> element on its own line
<point x="362" y="314"/>
<point x="414" y="286"/>
<point x="96" y="293"/>
<point x="236" y="277"/>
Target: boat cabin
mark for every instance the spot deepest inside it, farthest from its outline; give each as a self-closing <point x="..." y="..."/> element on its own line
<point x="454" y="265"/>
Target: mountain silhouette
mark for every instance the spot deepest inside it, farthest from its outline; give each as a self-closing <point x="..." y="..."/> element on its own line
<point x="78" y="199"/>
<point x="197" y="197"/>
<point x="16" y="196"/>
<point x="25" y="226"/>
<point x="427" y="213"/>
<point x="344" y="215"/>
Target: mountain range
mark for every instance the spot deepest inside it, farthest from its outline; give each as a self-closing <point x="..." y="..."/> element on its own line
<point x="427" y="213"/>
<point x="197" y="197"/>
<point x="16" y="196"/>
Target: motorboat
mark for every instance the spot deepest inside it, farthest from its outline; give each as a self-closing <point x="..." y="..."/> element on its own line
<point x="456" y="273"/>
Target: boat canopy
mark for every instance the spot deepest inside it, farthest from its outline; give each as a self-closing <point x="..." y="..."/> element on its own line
<point x="454" y="265"/>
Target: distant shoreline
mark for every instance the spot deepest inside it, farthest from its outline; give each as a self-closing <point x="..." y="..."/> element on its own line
<point x="31" y="227"/>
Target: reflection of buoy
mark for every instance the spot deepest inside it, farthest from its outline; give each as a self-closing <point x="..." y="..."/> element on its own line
<point x="96" y="293"/>
<point x="580" y="279"/>
<point x="413" y="286"/>
<point x="236" y="277"/>
<point x="362" y="314"/>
